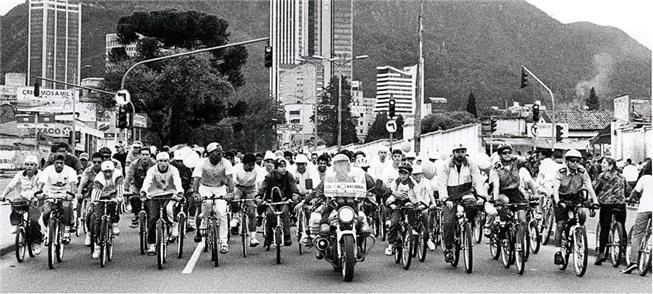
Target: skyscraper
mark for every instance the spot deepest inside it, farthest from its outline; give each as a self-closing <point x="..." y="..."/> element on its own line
<point x="54" y="41"/>
<point x="398" y="84"/>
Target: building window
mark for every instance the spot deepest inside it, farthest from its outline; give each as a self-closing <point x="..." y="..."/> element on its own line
<point x="295" y="121"/>
<point x="295" y="112"/>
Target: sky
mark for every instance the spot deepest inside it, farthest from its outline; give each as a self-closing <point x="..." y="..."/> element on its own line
<point x="628" y="15"/>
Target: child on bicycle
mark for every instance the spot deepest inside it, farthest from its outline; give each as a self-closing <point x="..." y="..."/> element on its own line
<point x="107" y="185"/>
<point x="282" y="179"/>
<point x="403" y="192"/>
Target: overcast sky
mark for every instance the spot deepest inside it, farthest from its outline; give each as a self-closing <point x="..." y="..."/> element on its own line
<point x="631" y="16"/>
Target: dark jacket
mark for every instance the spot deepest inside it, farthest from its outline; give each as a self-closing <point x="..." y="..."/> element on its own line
<point x="185" y="174"/>
<point x="286" y="184"/>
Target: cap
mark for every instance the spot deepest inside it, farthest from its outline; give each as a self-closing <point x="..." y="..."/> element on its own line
<point x="301" y="158"/>
<point x="108" y="165"/>
<point x="406" y="166"/>
<point x="162" y="156"/>
<point x="83" y="156"/>
<point x="138" y="144"/>
<point x="30" y="159"/>
<point x="458" y="147"/>
<point x="503" y="147"/>
<point x="340" y="157"/>
<point x="435" y="155"/>
<point x="269" y="156"/>
<point x="179" y="155"/>
<point x="417" y="169"/>
<point x="573" y="153"/>
<point x="212" y="147"/>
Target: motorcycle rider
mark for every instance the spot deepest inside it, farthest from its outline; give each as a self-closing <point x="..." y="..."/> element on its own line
<point x="567" y="186"/>
<point x="459" y="178"/>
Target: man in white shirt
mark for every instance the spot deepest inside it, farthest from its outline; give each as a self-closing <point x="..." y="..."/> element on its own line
<point x="58" y="179"/>
<point x="631" y="173"/>
<point x="380" y="164"/>
<point x="548" y="169"/>
<point x="246" y="179"/>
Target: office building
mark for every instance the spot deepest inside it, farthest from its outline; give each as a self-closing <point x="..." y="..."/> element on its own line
<point x="298" y="83"/>
<point x="363" y="109"/>
<point x="112" y="43"/>
<point x="398" y="84"/>
<point x="54" y="41"/>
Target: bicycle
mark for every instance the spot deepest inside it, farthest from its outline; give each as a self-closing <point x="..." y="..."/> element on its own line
<point x="162" y="228"/>
<point x="463" y="238"/>
<point x="436" y="224"/>
<point x="645" y="246"/>
<point x="142" y="227"/>
<point x="278" y="234"/>
<point x="106" y="233"/>
<point x="302" y="228"/>
<point x="406" y="237"/>
<point x="548" y="219"/>
<point x="23" y="242"/>
<point x="574" y="240"/>
<point x="420" y="228"/>
<point x="534" y="222"/>
<point x="479" y="224"/>
<point x="55" y="229"/>
<point x="505" y="235"/>
<point x="615" y="246"/>
<point x="212" y="241"/>
<point x="244" y="222"/>
<point x="181" y="228"/>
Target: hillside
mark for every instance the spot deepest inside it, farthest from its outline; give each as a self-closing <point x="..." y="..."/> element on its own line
<point x="469" y="46"/>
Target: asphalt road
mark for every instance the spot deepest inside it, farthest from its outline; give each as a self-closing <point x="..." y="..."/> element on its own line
<point x="132" y="272"/>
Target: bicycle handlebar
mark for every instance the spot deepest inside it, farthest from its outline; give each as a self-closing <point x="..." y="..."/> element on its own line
<point x="276" y="203"/>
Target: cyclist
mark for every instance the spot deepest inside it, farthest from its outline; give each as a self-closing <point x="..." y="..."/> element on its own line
<point x="213" y="177"/>
<point x="424" y="194"/>
<point x="382" y="163"/>
<point x="70" y="159"/>
<point x="134" y="180"/>
<point x="322" y="166"/>
<point x="25" y="183"/>
<point x="567" y="185"/>
<point x="121" y="156"/>
<point x="186" y="175"/>
<point x="107" y="185"/>
<point x="84" y="190"/>
<point x="610" y="187"/>
<point x="83" y="159"/>
<point x="106" y="156"/>
<point x="458" y="179"/>
<point x="391" y="172"/>
<point x="281" y="178"/>
<point x="506" y="179"/>
<point x="134" y="153"/>
<point x="58" y="178"/>
<point x="302" y="175"/>
<point x="403" y="191"/>
<point x="160" y="179"/>
<point x="259" y="159"/>
<point x="246" y="176"/>
<point x="644" y="189"/>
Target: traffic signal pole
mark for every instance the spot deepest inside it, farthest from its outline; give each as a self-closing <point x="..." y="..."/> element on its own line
<point x="553" y="107"/>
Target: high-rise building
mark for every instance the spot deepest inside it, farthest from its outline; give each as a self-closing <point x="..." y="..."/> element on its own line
<point x="363" y="109"/>
<point x="398" y="84"/>
<point x="54" y="41"/>
<point x="298" y="83"/>
<point x="342" y="32"/>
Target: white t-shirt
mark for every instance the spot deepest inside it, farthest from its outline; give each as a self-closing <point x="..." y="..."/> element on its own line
<point x="57" y="182"/>
<point x="631" y="173"/>
<point x="645" y="186"/>
<point x="213" y="175"/>
<point x="244" y="178"/>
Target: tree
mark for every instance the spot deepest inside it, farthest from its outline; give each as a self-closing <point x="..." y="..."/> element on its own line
<point x="377" y="130"/>
<point x="328" y="114"/>
<point x="471" y="104"/>
<point x="445" y="121"/>
<point x="592" y="101"/>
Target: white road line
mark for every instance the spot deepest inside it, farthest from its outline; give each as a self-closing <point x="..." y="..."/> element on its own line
<point x="193" y="259"/>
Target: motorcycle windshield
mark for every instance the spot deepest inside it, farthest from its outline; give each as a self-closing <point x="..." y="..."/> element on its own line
<point x="345" y="181"/>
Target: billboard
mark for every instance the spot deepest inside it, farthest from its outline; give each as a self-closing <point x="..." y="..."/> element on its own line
<point x="58" y="101"/>
<point x="622" y="108"/>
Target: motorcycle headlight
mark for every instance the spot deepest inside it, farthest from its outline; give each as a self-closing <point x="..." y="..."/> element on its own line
<point x="346" y="214"/>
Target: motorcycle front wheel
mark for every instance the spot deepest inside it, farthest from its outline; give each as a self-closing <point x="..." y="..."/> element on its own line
<point x="348" y="258"/>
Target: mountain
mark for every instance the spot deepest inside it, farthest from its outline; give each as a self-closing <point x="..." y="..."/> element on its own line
<point x="473" y="46"/>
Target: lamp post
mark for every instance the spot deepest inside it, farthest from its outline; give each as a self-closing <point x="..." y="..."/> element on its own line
<point x="340" y="61"/>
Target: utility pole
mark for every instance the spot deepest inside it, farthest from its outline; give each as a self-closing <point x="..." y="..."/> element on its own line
<point x="420" y="73"/>
<point x="339" y="111"/>
<point x="553" y="105"/>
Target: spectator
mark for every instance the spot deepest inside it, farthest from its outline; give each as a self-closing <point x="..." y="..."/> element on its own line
<point x="121" y="156"/>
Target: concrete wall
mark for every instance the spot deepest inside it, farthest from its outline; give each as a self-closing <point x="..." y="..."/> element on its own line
<point x="636" y="144"/>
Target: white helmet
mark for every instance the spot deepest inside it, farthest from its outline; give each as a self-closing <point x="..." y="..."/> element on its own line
<point x="108" y="165"/>
<point x="301" y="158"/>
<point x="31" y="159"/>
<point x="573" y="153"/>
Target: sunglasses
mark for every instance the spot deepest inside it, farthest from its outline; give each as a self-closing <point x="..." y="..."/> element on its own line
<point x="506" y="153"/>
<point x="574" y="160"/>
<point x="97" y="161"/>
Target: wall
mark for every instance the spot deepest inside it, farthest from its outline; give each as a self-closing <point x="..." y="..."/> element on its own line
<point x="636" y="144"/>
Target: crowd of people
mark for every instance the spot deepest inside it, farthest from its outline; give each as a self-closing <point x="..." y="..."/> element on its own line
<point x="134" y="176"/>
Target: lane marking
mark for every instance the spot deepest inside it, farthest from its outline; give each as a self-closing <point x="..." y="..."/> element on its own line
<point x="193" y="259"/>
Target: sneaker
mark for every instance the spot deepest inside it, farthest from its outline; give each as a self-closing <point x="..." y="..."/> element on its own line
<point x="287" y="240"/>
<point x="234" y="231"/>
<point x="259" y="220"/>
<point x="151" y="249"/>
<point x="487" y="231"/>
<point x="13" y="230"/>
<point x="430" y="244"/>
<point x="189" y="228"/>
<point x="198" y="238"/>
<point x="253" y="242"/>
<point x="72" y="229"/>
<point x="224" y="248"/>
<point x="175" y="230"/>
<point x="388" y="250"/>
<point x="448" y="255"/>
<point x="306" y="240"/>
<point x="600" y="259"/>
<point x="631" y="268"/>
<point x="96" y="252"/>
<point x="36" y="248"/>
<point x="234" y="223"/>
<point x="115" y="229"/>
<point x="267" y="242"/>
<point x="319" y="255"/>
<point x="66" y="238"/>
<point x="87" y="240"/>
<point x="557" y="258"/>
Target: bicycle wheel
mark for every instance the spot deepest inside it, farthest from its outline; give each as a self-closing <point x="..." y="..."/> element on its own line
<point x="629" y="246"/>
<point x="21" y="244"/>
<point x="103" y="241"/>
<point x="215" y="244"/>
<point x="436" y="229"/>
<point x="160" y="243"/>
<point x="598" y="239"/>
<point x="110" y="248"/>
<point x="534" y="237"/>
<point x="60" y="245"/>
<point x="479" y="223"/>
<point x="407" y="248"/>
<point x="52" y="232"/>
<point x="506" y="251"/>
<point x="615" y="240"/>
<point x="565" y="250"/>
<point x="243" y="232"/>
<point x="549" y="221"/>
<point x="495" y="252"/>
<point x="521" y="250"/>
<point x="580" y="251"/>
<point x="228" y="224"/>
<point x="421" y="245"/>
<point x="278" y="237"/>
<point x="382" y="224"/>
<point x="468" y="254"/>
<point x="644" y="261"/>
<point x="300" y="230"/>
<point x="181" y="227"/>
<point x="142" y="231"/>
<point x="456" y="247"/>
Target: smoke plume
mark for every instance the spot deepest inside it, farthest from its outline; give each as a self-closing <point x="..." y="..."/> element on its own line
<point x="603" y="65"/>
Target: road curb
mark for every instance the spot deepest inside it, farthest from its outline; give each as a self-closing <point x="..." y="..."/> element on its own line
<point x="7" y="249"/>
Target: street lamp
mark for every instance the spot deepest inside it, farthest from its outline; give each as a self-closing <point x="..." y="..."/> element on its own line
<point x="342" y="61"/>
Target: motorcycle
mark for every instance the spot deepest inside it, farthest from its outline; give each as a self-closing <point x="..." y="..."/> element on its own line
<point x="342" y="246"/>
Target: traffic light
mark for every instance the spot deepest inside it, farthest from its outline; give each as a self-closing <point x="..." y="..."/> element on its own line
<point x="391" y="108"/>
<point x="37" y="89"/>
<point x="558" y="133"/>
<point x="524" y="78"/>
<point x="536" y="113"/>
<point x="122" y="118"/>
<point x="493" y="126"/>
<point x="268" y="56"/>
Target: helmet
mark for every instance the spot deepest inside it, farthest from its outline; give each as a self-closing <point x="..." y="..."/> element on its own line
<point x="458" y="147"/>
<point x="406" y="166"/>
<point x="573" y="153"/>
<point x="301" y="158"/>
<point x="417" y="169"/>
<point x="340" y="157"/>
<point x="107" y="165"/>
<point x="212" y="146"/>
<point x="30" y="159"/>
<point x="105" y="150"/>
<point x="362" y="162"/>
<point x="504" y="147"/>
